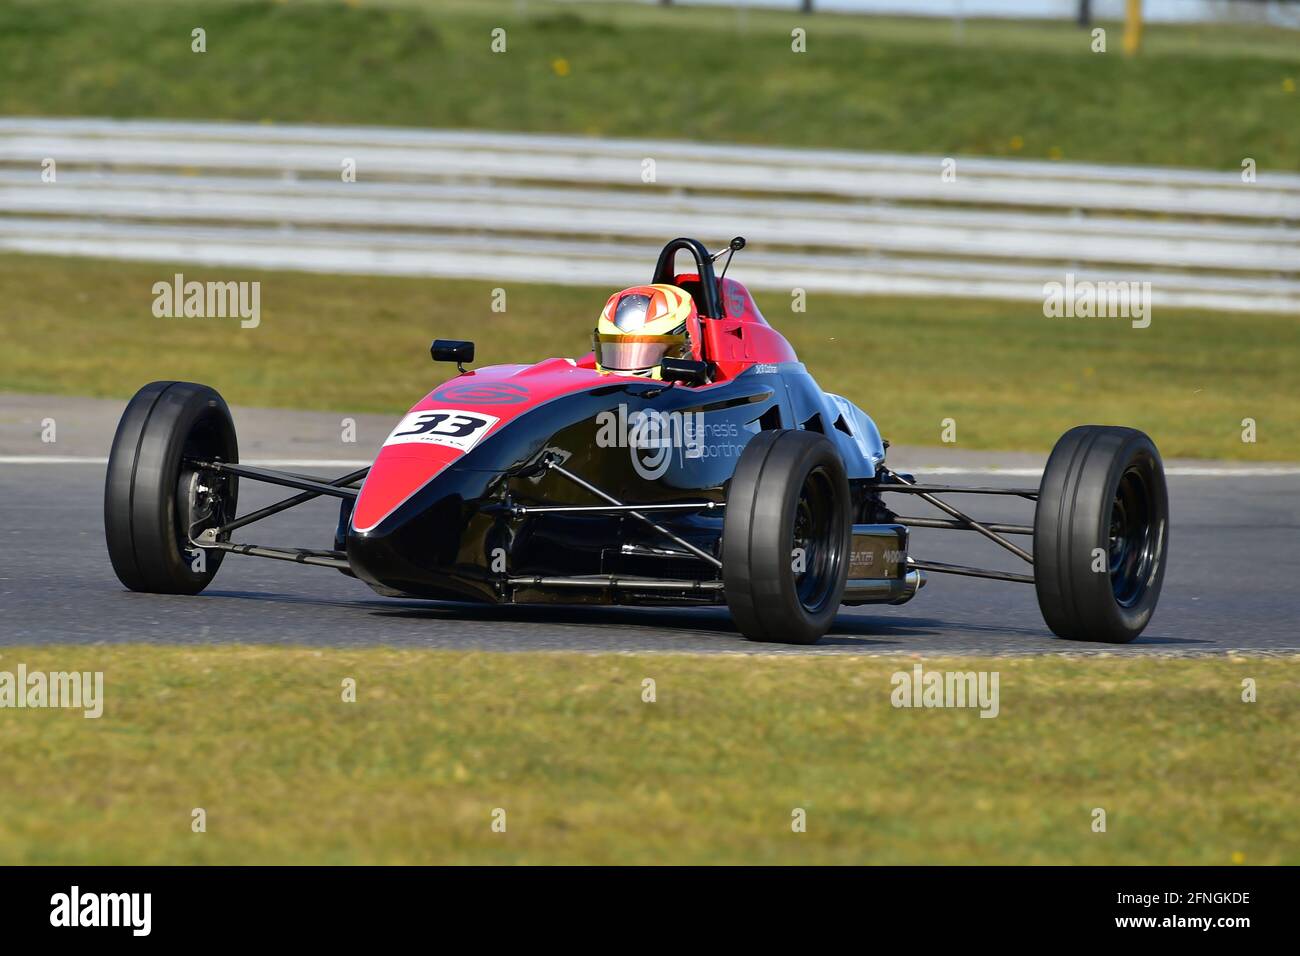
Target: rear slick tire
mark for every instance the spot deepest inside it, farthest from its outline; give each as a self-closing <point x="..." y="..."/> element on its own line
<point x="786" y="537"/>
<point x="154" y="500"/>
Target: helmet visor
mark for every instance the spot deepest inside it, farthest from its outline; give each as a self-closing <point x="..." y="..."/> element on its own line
<point x="635" y="353"/>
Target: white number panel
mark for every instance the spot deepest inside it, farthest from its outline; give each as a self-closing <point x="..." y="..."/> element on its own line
<point x="452" y="427"/>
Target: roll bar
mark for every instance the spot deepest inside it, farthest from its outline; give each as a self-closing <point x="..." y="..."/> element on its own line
<point x="703" y="267"/>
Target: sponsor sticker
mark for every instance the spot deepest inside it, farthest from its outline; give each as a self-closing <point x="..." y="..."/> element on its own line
<point x="452" y="427"/>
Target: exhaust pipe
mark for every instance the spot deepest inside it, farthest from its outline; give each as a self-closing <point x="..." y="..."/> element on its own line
<point x="913" y="581"/>
<point x="883" y="590"/>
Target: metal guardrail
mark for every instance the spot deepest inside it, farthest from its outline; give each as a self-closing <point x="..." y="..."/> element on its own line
<point x="571" y="209"/>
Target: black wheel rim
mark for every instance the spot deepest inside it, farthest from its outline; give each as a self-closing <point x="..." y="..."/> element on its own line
<point x="1133" y="538"/>
<point x="201" y="497"/>
<point x="204" y="498"/>
<point x="815" y="556"/>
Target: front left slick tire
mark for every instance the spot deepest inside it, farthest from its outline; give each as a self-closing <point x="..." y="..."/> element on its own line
<point x="154" y="499"/>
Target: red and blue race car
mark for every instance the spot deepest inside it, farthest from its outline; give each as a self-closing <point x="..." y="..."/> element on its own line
<point x="724" y="475"/>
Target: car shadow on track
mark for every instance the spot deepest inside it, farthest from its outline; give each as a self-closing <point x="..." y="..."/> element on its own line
<point x="865" y="631"/>
<point x="850" y="630"/>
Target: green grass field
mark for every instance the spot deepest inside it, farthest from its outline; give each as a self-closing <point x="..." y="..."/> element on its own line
<point x="587" y="772"/>
<point x="1011" y="378"/>
<point x="1197" y="96"/>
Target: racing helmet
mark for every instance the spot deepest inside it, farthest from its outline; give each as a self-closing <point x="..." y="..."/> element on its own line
<point x="641" y="326"/>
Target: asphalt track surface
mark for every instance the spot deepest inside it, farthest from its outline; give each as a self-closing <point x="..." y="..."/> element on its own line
<point x="1231" y="583"/>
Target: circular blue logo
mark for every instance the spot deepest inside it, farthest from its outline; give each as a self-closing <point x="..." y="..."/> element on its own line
<point x="482" y="393"/>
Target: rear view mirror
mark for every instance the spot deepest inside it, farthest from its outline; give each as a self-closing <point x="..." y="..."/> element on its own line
<point x="452" y="350"/>
<point x="685" y="371"/>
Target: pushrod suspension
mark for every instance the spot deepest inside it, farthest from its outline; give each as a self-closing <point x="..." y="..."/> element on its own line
<point x="956" y="525"/>
<point x="614" y="509"/>
<point x="959" y="515"/>
<point x="277" y="478"/>
<point x="287" y="503"/>
<point x="323" y="559"/>
<point x="942" y="568"/>
<point x="916" y="488"/>
<point x="554" y="465"/>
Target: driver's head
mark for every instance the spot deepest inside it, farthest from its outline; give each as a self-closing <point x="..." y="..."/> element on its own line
<point x="641" y="326"/>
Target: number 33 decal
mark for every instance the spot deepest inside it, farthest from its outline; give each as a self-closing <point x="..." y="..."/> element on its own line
<point x="442" y="426"/>
<point x="442" y="423"/>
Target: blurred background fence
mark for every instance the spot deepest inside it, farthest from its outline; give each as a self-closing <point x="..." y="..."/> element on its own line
<point x="1275" y="12"/>
<point x="569" y="209"/>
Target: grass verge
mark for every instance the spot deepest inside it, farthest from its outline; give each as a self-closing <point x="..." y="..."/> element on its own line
<point x="1199" y="95"/>
<point x="587" y="772"/>
<point x="1010" y="378"/>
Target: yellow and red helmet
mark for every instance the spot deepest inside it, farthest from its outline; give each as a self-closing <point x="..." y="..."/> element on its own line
<point x="641" y="326"/>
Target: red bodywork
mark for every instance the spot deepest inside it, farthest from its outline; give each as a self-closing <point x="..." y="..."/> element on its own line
<point x="731" y="344"/>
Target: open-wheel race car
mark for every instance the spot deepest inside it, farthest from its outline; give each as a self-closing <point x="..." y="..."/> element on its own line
<point x="689" y="459"/>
